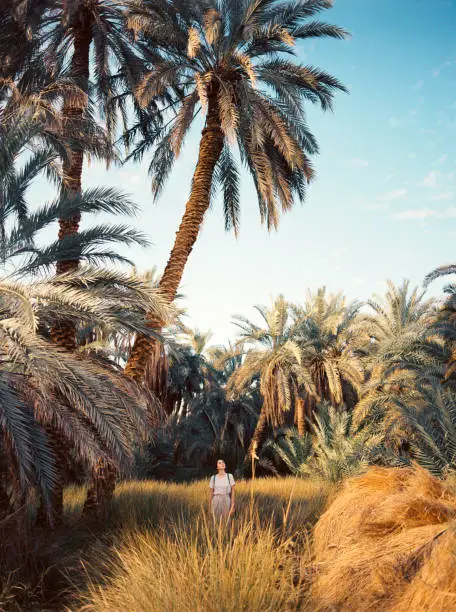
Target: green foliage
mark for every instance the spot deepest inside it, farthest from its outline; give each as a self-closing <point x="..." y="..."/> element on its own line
<point x="333" y="450"/>
<point x="47" y="392"/>
<point x="233" y="56"/>
<point x="434" y="429"/>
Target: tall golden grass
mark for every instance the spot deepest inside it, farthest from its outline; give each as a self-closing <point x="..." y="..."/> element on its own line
<point x="388" y="542"/>
<point x="182" y="561"/>
<point x="160" y="551"/>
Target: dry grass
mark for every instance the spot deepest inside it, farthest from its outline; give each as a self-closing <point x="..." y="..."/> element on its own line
<point x="149" y="502"/>
<point x="181" y="562"/>
<point x="158" y="551"/>
<point x="379" y="543"/>
<point x="199" y="569"/>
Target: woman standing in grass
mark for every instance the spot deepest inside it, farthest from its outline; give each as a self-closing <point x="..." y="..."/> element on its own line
<point x="222" y="485"/>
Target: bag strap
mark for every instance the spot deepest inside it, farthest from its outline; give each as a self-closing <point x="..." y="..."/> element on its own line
<point x="229" y="481"/>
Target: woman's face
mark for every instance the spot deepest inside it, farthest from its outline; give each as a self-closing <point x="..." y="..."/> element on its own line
<point x="221" y="464"/>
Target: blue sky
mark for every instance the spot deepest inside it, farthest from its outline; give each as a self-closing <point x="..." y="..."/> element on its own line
<point x="384" y="201"/>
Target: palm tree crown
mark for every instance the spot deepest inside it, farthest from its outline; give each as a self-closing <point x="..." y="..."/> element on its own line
<point x="231" y="65"/>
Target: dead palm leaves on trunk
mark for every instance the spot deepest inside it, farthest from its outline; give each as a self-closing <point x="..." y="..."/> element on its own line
<point x="275" y="361"/>
<point x="300" y="357"/>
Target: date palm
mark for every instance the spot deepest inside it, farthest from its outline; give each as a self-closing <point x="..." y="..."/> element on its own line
<point x="401" y="319"/>
<point x="24" y="155"/>
<point x="232" y="65"/>
<point x="19" y="21"/>
<point x="326" y="334"/>
<point x="107" y="300"/>
<point x="68" y="32"/>
<point x="405" y="349"/>
<point x="189" y="371"/>
<point x="52" y="400"/>
<point x="275" y="361"/>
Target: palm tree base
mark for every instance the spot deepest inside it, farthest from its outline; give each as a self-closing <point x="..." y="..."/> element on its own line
<point x="101" y="491"/>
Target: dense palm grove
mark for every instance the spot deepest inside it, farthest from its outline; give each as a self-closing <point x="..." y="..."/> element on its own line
<point x="100" y="378"/>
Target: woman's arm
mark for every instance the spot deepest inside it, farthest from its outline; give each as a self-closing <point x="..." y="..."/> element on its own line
<point x="233" y="495"/>
<point x="211" y="495"/>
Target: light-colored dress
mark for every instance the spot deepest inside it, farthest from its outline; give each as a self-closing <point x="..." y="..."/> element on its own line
<point x="221" y="502"/>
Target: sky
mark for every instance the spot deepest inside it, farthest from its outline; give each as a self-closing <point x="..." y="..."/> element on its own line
<point x="383" y="205"/>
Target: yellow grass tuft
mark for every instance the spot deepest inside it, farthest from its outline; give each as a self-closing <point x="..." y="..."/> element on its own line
<point x="196" y="568"/>
<point x="380" y="541"/>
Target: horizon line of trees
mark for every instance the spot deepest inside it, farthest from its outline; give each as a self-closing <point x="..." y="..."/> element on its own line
<point x="323" y="388"/>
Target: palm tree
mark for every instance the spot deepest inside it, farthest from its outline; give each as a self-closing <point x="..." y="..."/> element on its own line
<point x="189" y="371"/>
<point x="401" y="310"/>
<point x="433" y="422"/>
<point x="64" y="34"/>
<point x="232" y="65"/>
<point x="21" y="160"/>
<point x="325" y="333"/>
<point x="403" y="344"/>
<point x="53" y="401"/>
<point x="304" y="355"/>
<point x="19" y="22"/>
<point x="276" y="362"/>
<point x="335" y="450"/>
<point x="69" y="31"/>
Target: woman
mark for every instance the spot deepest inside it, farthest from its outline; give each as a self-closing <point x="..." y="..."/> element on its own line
<point x="222" y="485"/>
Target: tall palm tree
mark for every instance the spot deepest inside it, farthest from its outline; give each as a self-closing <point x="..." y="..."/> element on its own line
<point x="325" y="333"/>
<point x="232" y="65"/>
<point x="21" y="160"/>
<point x="403" y="344"/>
<point x="275" y="361"/>
<point x="304" y="356"/>
<point x="23" y="157"/>
<point x="68" y="32"/>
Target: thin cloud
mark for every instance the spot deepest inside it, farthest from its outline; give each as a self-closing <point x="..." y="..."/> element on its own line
<point x="446" y="64"/>
<point x="442" y="159"/>
<point x="442" y="196"/>
<point x="412" y="155"/>
<point x="414" y="213"/>
<point x="418" y="85"/>
<point x="430" y="180"/>
<point x="395" y="122"/>
<point x="395" y="194"/>
<point x="419" y="214"/>
<point x="360" y="163"/>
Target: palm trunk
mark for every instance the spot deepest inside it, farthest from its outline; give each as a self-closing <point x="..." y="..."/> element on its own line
<point x="300" y="408"/>
<point x="258" y="436"/>
<point x="60" y="449"/>
<point x="102" y="484"/>
<point x="209" y="152"/>
<point x="101" y="490"/>
<point x="64" y="334"/>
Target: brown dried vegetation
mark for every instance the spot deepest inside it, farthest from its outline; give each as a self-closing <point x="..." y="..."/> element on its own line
<point x="388" y="542"/>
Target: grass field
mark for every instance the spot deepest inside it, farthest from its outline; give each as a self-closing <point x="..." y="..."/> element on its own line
<point x="160" y="551"/>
